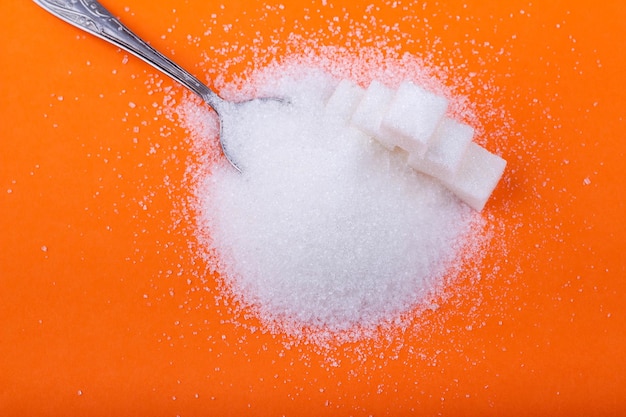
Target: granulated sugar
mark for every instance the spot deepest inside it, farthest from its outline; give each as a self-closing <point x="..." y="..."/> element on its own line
<point x="324" y="229"/>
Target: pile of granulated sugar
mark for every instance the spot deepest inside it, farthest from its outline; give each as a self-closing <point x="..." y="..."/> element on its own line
<point x="324" y="230"/>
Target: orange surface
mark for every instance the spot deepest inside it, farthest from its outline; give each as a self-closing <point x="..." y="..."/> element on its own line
<point x="97" y="316"/>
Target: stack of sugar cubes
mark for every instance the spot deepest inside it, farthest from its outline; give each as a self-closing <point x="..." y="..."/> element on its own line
<point x="413" y="119"/>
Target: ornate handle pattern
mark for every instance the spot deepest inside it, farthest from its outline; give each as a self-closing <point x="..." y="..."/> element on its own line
<point x="92" y="17"/>
<point x="86" y="14"/>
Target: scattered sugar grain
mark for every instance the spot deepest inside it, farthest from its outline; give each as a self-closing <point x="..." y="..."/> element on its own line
<point x="324" y="228"/>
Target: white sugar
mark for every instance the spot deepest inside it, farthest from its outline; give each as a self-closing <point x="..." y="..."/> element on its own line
<point x="324" y="228"/>
<point x="443" y="157"/>
<point x="370" y="111"/>
<point x="478" y="175"/>
<point x="344" y="100"/>
<point x="412" y="117"/>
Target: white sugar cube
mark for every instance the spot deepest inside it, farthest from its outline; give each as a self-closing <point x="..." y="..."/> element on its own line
<point x="344" y="100"/>
<point x="443" y="157"/>
<point x="412" y="117"/>
<point x="477" y="177"/>
<point x="369" y="113"/>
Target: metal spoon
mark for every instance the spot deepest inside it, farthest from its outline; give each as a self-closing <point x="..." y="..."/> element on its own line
<point x="92" y="17"/>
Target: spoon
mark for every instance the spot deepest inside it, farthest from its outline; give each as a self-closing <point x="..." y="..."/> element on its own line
<point x="92" y="17"/>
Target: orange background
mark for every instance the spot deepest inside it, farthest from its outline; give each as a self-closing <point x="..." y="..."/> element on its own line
<point x="96" y="309"/>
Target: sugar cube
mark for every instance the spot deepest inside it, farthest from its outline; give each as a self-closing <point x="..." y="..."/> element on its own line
<point x="412" y="117"/>
<point x="477" y="177"/>
<point x="370" y="111"/>
<point x="344" y="100"/>
<point x="443" y="157"/>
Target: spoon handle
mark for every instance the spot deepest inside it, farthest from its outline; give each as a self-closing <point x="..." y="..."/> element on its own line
<point x="92" y="17"/>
